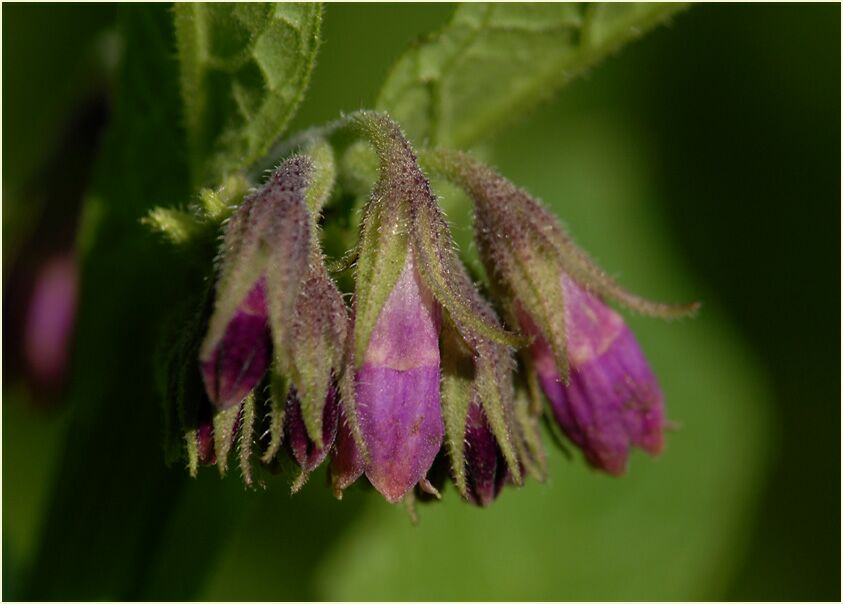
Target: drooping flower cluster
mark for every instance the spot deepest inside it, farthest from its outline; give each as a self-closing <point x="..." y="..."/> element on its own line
<point x="419" y="366"/>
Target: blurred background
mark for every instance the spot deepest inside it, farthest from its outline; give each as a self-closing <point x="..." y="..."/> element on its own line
<point x="700" y="162"/>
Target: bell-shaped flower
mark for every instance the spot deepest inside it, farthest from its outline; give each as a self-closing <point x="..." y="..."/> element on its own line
<point x="407" y="279"/>
<point x="397" y="388"/>
<point x="602" y="391"/>
<point x="611" y="400"/>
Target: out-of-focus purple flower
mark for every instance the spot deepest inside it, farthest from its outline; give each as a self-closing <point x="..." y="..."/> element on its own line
<point x="242" y="356"/>
<point x="397" y="388"/>
<point x="50" y="319"/>
<point x="612" y="400"/>
<point x="486" y="471"/>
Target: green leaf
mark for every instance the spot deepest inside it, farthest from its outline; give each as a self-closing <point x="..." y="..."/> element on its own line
<point x="244" y="71"/>
<point x="494" y="62"/>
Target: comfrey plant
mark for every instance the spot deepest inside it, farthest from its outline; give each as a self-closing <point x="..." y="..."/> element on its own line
<point x="421" y="369"/>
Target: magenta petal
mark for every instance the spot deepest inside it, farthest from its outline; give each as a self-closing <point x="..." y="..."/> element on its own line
<point x="308" y="456"/>
<point x="241" y="358"/>
<point x="613" y="400"/>
<point x="398" y="388"/>
<point x="486" y="470"/>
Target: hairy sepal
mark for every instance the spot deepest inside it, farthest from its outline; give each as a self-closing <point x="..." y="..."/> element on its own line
<point x="457" y="392"/>
<point x="493" y="194"/>
<point x="318" y="343"/>
<point x="278" y="391"/>
<point x="267" y="235"/>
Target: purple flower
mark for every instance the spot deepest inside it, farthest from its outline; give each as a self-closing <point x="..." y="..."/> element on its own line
<point x="612" y="400"/>
<point x="50" y="319"/>
<point x="422" y="373"/>
<point x="242" y="356"/>
<point x="486" y="471"/>
<point x="397" y="388"/>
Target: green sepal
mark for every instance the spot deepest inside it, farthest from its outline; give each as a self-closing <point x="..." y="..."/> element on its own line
<point x="493" y="384"/>
<point x="348" y="260"/>
<point x="321" y="155"/>
<point x="444" y="274"/>
<point x="215" y="205"/>
<point x="348" y="395"/>
<point x="318" y="343"/>
<point x="299" y="482"/>
<point x="278" y="390"/>
<point x="225" y="423"/>
<point x="535" y="395"/>
<point x="269" y="236"/>
<point x="410" y="506"/>
<point x="513" y="251"/>
<point x="456" y="394"/>
<point x="383" y="253"/>
<point x="320" y="324"/>
<point x="529" y="444"/>
<point x="512" y="212"/>
<point x="402" y="189"/>
<point x="177" y="226"/>
<point x="192" y="449"/>
<point x="182" y="227"/>
<point x="246" y="438"/>
<point x="535" y="281"/>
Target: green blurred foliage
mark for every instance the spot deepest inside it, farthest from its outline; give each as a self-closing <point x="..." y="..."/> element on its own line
<point x="493" y="62"/>
<point x="244" y="70"/>
<point x="700" y="162"/>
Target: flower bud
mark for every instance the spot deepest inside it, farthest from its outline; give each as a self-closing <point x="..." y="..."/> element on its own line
<point x="305" y="451"/>
<point x="486" y="470"/>
<point x="347" y="462"/>
<point x="263" y="257"/>
<point x="317" y="341"/>
<point x="240" y="360"/>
